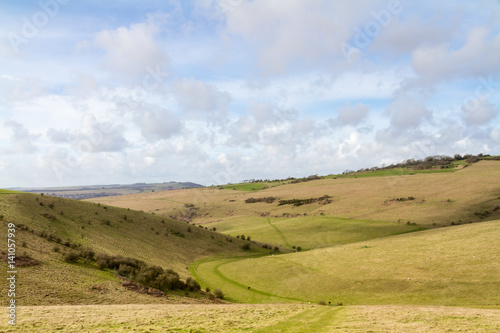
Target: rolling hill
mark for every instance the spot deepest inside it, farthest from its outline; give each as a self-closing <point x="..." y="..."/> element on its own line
<point x="359" y="207"/>
<point x="389" y="249"/>
<point x="48" y="228"/>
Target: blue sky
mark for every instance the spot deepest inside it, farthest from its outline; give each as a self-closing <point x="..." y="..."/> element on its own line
<point x="216" y="91"/>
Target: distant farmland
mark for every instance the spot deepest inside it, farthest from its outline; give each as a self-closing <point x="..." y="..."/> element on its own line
<point x="96" y="191"/>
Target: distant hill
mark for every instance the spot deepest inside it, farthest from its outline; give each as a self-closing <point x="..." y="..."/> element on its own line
<point x="96" y="191"/>
<point x="360" y="206"/>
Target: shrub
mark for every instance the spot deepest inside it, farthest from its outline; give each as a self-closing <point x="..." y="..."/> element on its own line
<point x="219" y="294"/>
<point x="246" y="247"/>
<point x="127" y="271"/>
<point x="322" y="302"/>
<point x="192" y="284"/>
<point x="169" y="280"/>
<point x="87" y="254"/>
<point x="71" y="256"/>
<point x="472" y="159"/>
<point x="148" y="276"/>
<point x="276" y="248"/>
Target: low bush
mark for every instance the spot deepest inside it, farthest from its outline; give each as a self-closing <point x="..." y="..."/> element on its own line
<point x="218" y="294"/>
<point x="72" y="256"/>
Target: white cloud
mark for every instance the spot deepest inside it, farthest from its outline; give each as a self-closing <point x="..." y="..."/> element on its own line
<point x="21" y="139"/>
<point x="254" y="89"/>
<point x="132" y="50"/>
<point x="157" y="123"/>
<point x="351" y="114"/>
<point x="477" y="56"/>
<point x="283" y="33"/>
<point x="479" y="112"/>
<point x="201" y="98"/>
<point x="94" y="136"/>
<point x="407" y="111"/>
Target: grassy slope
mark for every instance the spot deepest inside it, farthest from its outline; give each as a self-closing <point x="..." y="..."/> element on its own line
<point x="254" y="318"/>
<point x="455" y="266"/>
<point x="440" y="199"/>
<point x="105" y="230"/>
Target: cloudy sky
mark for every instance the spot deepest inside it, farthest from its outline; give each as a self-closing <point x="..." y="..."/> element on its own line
<point x="217" y="91"/>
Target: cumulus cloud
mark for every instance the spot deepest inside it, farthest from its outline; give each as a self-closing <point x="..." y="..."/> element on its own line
<point x="293" y="31"/>
<point x="256" y="89"/>
<point x="132" y="50"/>
<point x="94" y="136"/>
<point x="402" y="37"/>
<point x="21" y="139"/>
<point x="407" y="111"/>
<point x="201" y="98"/>
<point x="479" y="111"/>
<point x="477" y="56"/>
<point x="351" y="114"/>
<point x="60" y="136"/>
<point x="157" y="123"/>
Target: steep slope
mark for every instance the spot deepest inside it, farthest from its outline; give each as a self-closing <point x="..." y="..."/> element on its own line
<point x="48" y="228"/>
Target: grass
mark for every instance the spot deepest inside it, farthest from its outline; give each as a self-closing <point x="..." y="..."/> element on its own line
<point x="440" y="199"/>
<point x="454" y="266"/>
<point x="115" y="231"/>
<point x="311" y="232"/>
<point x="365" y="249"/>
<point x="2" y="191"/>
<point x="248" y="186"/>
<point x="253" y="318"/>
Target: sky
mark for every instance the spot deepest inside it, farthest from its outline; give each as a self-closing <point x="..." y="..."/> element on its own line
<point x="219" y="91"/>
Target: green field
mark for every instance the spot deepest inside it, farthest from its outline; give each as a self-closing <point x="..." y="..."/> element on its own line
<point x="455" y="266"/>
<point x="311" y="232"/>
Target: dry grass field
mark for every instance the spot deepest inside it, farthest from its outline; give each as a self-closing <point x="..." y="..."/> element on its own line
<point x="468" y="195"/>
<point x="253" y="318"/>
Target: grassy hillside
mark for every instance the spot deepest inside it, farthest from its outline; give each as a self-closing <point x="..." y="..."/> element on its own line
<point x="455" y="266"/>
<point x="399" y="251"/>
<point x="361" y="208"/>
<point x="49" y="228"/>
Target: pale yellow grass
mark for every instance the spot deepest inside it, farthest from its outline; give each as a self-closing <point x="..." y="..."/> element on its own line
<point x="440" y="198"/>
<point x="252" y="318"/>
